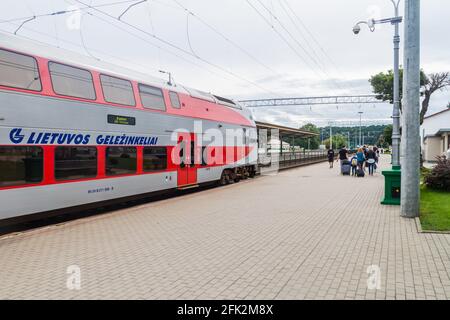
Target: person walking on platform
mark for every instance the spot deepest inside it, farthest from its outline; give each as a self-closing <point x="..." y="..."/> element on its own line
<point x="330" y="157"/>
<point x="354" y="162"/>
<point x="343" y="155"/>
<point x="361" y="158"/>
<point x="371" y="159"/>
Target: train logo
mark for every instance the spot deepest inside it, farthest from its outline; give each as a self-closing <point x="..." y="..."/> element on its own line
<point x="15" y="136"/>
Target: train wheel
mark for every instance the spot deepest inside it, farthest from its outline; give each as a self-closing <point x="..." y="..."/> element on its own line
<point x="223" y="178"/>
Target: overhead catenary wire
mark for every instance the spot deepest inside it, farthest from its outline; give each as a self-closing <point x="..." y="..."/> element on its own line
<point x="64" y="11"/>
<point x="290" y="35"/>
<point x="314" y="60"/>
<point x="285" y="40"/>
<point x="140" y="65"/>
<point x="147" y="41"/>
<point x="300" y="32"/>
<point x="168" y="43"/>
<point x="226" y="38"/>
<point x="326" y="55"/>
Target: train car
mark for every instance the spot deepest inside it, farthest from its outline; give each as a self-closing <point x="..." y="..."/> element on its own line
<point x="76" y="132"/>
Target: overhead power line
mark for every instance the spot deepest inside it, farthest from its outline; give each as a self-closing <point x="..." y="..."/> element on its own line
<point x="168" y="43"/>
<point x="226" y="38"/>
<point x="64" y="11"/>
<point x="146" y="67"/>
<point x="280" y="35"/>
<point x="291" y="36"/>
<point x="299" y="44"/>
<point x="295" y="51"/>
<point x="311" y="35"/>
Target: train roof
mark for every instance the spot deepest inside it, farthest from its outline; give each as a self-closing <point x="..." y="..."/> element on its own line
<point x="17" y="43"/>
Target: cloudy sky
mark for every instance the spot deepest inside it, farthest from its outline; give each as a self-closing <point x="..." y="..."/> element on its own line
<point x="245" y="49"/>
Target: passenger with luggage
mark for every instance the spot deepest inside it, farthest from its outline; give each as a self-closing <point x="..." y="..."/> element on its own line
<point x="354" y="163"/>
<point x="371" y="160"/>
<point x="361" y="158"/>
<point x="343" y="155"/>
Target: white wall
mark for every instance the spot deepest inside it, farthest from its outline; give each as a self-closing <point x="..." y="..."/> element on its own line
<point x="434" y="124"/>
<point x="429" y="127"/>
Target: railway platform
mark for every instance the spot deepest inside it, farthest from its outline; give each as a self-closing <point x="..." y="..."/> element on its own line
<point x="305" y="233"/>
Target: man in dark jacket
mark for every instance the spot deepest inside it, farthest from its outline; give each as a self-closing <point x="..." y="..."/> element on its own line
<point x="330" y="154"/>
<point x="343" y="155"/>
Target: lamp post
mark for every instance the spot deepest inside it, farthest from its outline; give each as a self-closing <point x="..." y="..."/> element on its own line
<point x="360" y="122"/>
<point x="396" y="110"/>
<point x="392" y="181"/>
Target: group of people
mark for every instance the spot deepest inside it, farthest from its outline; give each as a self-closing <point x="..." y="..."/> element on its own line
<point x="356" y="163"/>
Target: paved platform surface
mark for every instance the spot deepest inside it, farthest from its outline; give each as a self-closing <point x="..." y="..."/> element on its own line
<point x="305" y="233"/>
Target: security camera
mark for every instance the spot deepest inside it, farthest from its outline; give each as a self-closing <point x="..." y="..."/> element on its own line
<point x="356" y="29"/>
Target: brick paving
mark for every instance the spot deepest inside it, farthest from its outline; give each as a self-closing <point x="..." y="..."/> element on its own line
<point x="305" y="233"/>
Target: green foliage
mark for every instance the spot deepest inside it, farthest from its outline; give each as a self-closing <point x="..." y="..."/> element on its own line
<point x="387" y="134"/>
<point x="439" y="177"/>
<point x="371" y="134"/>
<point x="383" y="85"/>
<point x="434" y="209"/>
<point x="311" y="143"/>
<point x="339" y="141"/>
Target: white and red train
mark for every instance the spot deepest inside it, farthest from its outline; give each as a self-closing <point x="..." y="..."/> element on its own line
<point x="78" y="132"/>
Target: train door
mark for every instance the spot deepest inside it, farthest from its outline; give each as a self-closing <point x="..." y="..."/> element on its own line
<point x="187" y="170"/>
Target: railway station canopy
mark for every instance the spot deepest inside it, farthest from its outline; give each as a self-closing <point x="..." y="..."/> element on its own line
<point x="286" y="131"/>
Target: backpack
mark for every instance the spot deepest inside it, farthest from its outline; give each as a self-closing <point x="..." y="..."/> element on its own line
<point x="354" y="162"/>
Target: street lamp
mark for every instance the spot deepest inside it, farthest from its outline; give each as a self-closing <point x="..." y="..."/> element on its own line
<point x="396" y="110"/>
<point x="360" y="122"/>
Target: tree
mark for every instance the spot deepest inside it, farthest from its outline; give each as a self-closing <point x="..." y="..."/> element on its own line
<point x="383" y="87"/>
<point x="436" y="81"/>
<point x="312" y="142"/>
<point x="387" y="134"/>
<point x="339" y="141"/>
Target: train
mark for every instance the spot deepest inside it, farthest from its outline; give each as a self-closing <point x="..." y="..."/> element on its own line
<point x="78" y="132"/>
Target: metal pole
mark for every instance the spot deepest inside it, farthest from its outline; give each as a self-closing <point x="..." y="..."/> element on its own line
<point x="396" y="110"/>
<point x="360" y="123"/>
<point x="410" y="182"/>
<point x="331" y="138"/>
<point x="348" y="138"/>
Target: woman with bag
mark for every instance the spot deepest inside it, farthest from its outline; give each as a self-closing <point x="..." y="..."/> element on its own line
<point x="371" y="159"/>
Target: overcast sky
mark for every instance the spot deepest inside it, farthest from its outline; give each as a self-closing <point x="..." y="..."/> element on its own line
<point x="247" y="49"/>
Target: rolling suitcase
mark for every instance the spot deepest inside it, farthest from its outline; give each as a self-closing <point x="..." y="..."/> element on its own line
<point x="360" y="173"/>
<point x="346" y="169"/>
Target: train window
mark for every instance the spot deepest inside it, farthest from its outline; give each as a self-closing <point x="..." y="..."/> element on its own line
<point x="19" y="71"/>
<point x="120" y="160"/>
<point x="72" y="163"/>
<point x="20" y="165"/>
<point x="117" y="90"/>
<point x="155" y="158"/>
<point x="152" y="97"/>
<point x="71" y="81"/>
<point x="174" y="100"/>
